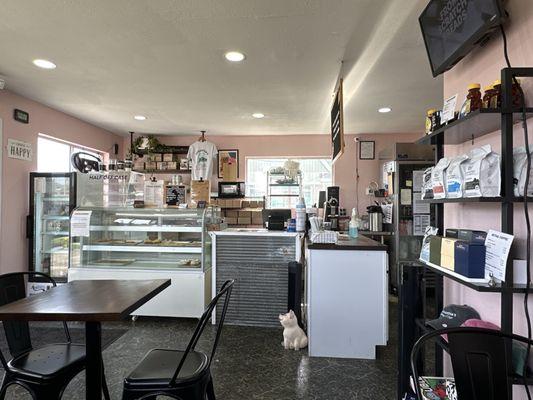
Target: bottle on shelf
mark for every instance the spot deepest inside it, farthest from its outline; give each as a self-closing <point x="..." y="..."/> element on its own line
<point x="353" y="227"/>
<point x="300" y="215"/>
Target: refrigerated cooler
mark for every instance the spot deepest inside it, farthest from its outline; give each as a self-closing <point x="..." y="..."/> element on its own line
<point x="402" y="165"/>
<point x="52" y="199"/>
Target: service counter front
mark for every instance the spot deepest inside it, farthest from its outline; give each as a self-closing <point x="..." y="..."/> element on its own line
<point x="347" y="298"/>
<point x="258" y="260"/>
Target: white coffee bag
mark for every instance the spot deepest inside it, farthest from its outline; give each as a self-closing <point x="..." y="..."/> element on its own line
<point x="482" y="173"/>
<point x="519" y="171"/>
<point x="427" y="188"/>
<point x="454" y="177"/>
<point x="438" y="178"/>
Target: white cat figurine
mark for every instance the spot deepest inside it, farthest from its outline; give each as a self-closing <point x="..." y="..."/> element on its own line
<point x="293" y="336"/>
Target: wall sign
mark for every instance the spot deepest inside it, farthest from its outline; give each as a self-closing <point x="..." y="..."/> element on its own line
<point x="21" y="116"/>
<point x="19" y="150"/>
<point x="337" y="125"/>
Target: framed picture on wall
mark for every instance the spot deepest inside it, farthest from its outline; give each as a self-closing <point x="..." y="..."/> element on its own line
<point x="228" y="164"/>
<point x="367" y="150"/>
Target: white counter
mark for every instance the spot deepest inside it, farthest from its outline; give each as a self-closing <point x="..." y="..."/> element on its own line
<point x="347" y="298"/>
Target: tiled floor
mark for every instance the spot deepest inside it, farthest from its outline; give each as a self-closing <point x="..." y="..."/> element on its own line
<point x="250" y="365"/>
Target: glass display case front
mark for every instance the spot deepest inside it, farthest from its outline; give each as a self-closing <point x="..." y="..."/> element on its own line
<point x="147" y="238"/>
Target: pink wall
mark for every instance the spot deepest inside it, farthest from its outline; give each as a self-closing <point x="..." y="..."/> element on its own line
<point x="483" y="66"/>
<point x="15" y="173"/>
<point x="309" y="146"/>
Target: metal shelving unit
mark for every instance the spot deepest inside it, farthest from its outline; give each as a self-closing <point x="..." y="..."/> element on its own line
<point x="279" y="182"/>
<point x="412" y="307"/>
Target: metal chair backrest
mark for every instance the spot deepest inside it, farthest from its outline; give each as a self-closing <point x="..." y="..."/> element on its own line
<point x="13" y="288"/>
<point x="481" y="361"/>
<point x="225" y="291"/>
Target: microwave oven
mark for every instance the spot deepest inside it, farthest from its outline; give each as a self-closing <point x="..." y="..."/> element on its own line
<point x="231" y="189"/>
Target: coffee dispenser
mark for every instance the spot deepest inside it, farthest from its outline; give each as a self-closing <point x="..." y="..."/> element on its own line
<point x="331" y="207"/>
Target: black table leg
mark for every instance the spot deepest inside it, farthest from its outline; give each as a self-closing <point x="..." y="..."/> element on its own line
<point x="93" y="351"/>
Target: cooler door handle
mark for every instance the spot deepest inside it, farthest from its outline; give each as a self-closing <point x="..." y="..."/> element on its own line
<point x="29" y="226"/>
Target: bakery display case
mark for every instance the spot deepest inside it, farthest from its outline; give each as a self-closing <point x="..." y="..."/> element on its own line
<point x="147" y="243"/>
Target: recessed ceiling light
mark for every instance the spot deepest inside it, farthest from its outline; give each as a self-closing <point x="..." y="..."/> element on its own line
<point x="139" y="117"/>
<point x="385" y="110"/>
<point x="258" y="115"/>
<point x="234" y="56"/>
<point x="44" y="64"/>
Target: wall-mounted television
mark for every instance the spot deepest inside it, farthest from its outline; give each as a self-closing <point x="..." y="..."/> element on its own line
<point x="451" y="28"/>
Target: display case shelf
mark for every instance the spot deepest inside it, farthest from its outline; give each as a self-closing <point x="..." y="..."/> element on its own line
<point x="142" y="249"/>
<point x="476" y="124"/>
<point x="55" y="217"/>
<point x="60" y="233"/>
<point x="146" y="228"/>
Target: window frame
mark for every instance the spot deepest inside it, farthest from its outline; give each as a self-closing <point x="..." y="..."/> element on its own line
<point x="72" y="148"/>
<point x="296" y="158"/>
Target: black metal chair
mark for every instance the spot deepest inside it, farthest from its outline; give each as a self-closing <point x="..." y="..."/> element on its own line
<point x="45" y="372"/>
<point x="157" y="373"/>
<point x="481" y="360"/>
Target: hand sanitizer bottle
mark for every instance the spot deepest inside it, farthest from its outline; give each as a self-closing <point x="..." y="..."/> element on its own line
<point x="353" y="230"/>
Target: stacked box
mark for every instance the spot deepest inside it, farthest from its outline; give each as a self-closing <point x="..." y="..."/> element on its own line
<point x="257" y="217"/>
<point x="245" y="204"/>
<point x="173" y="165"/>
<point x="232" y="213"/>
<point x="245" y="214"/>
<point x="244" y="221"/>
<point x="161" y="165"/>
<point x="477" y="237"/>
<point x="236" y="203"/>
<point x="253" y="204"/>
<point x="447" y="253"/>
<point x="151" y="165"/>
<point x="155" y="157"/>
<point x="168" y="157"/>
<point x="435" y="246"/>
<point x="470" y="259"/>
<point x="231" y="221"/>
<point x="452" y="233"/>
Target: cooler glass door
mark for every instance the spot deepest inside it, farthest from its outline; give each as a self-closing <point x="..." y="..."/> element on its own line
<point x="52" y="198"/>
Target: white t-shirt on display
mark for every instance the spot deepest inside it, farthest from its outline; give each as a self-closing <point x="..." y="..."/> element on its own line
<point x="201" y="155"/>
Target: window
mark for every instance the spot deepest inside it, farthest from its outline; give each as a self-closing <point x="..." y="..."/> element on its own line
<point x="316" y="176"/>
<point x="54" y="155"/>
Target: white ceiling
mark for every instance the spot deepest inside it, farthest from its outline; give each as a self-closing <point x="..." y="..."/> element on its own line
<point x="164" y="59"/>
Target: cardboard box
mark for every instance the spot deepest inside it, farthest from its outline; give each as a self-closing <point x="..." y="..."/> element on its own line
<point x="261" y="204"/>
<point x="435" y="246"/>
<point x="236" y="203"/>
<point x="447" y="262"/>
<point x="470" y="259"/>
<point x="452" y="233"/>
<point x="161" y="165"/>
<point x="173" y="165"/>
<point x="232" y="213"/>
<point x="150" y="165"/>
<point x="244" y="221"/>
<point x="470" y="236"/>
<point x="155" y="157"/>
<point x="448" y="253"/>
<point x="253" y="204"/>
<point x="245" y="204"/>
<point x="245" y="214"/>
<point x="257" y="218"/>
<point x="231" y="221"/>
<point x="168" y="157"/>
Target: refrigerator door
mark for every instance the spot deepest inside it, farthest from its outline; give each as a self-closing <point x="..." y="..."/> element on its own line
<point x="52" y="198"/>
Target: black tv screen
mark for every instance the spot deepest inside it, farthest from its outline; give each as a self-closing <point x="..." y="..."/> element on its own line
<point x="451" y="28"/>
